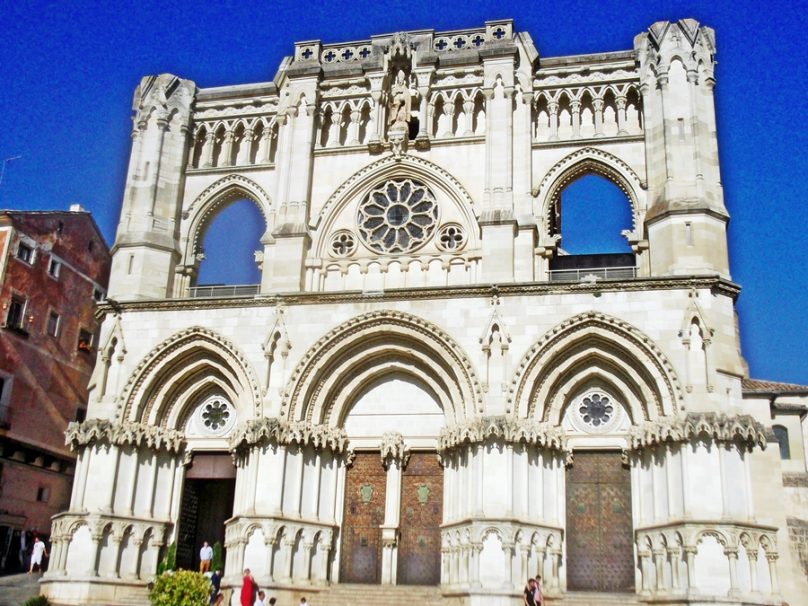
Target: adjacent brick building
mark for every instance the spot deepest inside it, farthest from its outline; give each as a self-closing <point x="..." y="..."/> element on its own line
<point x="54" y="265"/>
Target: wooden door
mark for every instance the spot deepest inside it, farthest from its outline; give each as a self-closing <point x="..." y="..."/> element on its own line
<point x="421" y="516"/>
<point x="365" y="483"/>
<point x="600" y="544"/>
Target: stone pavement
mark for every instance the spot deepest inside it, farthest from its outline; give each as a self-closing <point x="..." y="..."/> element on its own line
<point x="15" y="589"/>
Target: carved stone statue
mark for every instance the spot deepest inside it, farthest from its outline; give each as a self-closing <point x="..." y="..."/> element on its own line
<point x="400" y="103"/>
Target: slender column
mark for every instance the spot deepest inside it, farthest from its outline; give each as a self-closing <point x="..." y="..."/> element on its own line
<point x="333" y="129"/>
<point x="675" y="555"/>
<point x="555" y="555"/>
<point x="645" y="556"/>
<point x="325" y="546"/>
<point x="207" y="149"/>
<point x="130" y="500"/>
<point x="621" y="115"/>
<point x="525" y="553"/>
<point x="575" y="107"/>
<point x="476" y="549"/>
<point x="597" y="105"/>
<point x="245" y="148"/>
<point x="690" y="554"/>
<point x="227" y="151"/>
<point x="288" y="548"/>
<point x="172" y="474"/>
<point x="753" y="581"/>
<point x="152" y="483"/>
<point x="264" y="145"/>
<point x="468" y="110"/>
<point x="117" y="540"/>
<point x="95" y="548"/>
<point x="508" y="548"/>
<point x="353" y="129"/>
<point x="659" y="562"/>
<point x="552" y="108"/>
<point x="424" y="113"/>
<point x="732" y="557"/>
<point x="269" y="542"/>
<point x="307" y="547"/>
<point x="448" y="111"/>
<point x="772" y="559"/>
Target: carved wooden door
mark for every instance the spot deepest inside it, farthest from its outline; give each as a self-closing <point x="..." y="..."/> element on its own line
<point x="365" y="482"/>
<point x="600" y="545"/>
<point x="421" y="516"/>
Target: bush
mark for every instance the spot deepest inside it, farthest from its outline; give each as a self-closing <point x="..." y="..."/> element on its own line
<point x="169" y="561"/>
<point x="39" y="600"/>
<point x="217" y="563"/>
<point x="181" y="588"/>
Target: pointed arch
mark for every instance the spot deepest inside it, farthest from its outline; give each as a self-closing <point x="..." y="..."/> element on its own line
<point x="594" y="348"/>
<point x="369" y="346"/>
<point x="185" y="367"/>
<point x="588" y="160"/>
<point x="201" y="212"/>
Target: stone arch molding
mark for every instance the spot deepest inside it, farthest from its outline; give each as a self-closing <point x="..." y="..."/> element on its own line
<point x="198" y="216"/>
<point x="593" y="161"/>
<point x="356" y="353"/>
<point x="188" y="364"/>
<point x="594" y="349"/>
<point x="390" y="167"/>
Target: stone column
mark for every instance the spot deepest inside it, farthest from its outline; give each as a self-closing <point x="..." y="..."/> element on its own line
<point x="508" y="549"/>
<point x="227" y="148"/>
<point x="597" y="106"/>
<point x="555" y="581"/>
<point x="675" y="555"/>
<point x="325" y="546"/>
<point x="659" y="563"/>
<point x="245" y="148"/>
<point x="621" y="115"/>
<point x="269" y="543"/>
<point x="772" y="559"/>
<point x="307" y="547"/>
<point x="752" y="557"/>
<point x="448" y="110"/>
<point x="117" y="539"/>
<point x="289" y="553"/>
<point x="353" y="132"/>
<point x="732" y="558"/>
<point x="645" y="556"/>
<point x="552" y="109"/>
<point x="575" y="108"/>
<point x="264" y="145"/>
<point x="97" y="536"/>
<point x="525" y="553"/>
<point x="476" y="550"/>
<point x="468" y="110"/>
<point x="690" y="555"/>
<point x="333" y="129"/>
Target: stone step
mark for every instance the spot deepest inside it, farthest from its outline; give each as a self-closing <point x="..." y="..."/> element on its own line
<point x="350" y="594"/>
<point x="592" y="598"/>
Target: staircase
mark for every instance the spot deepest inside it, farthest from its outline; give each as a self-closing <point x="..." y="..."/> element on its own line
<point x="591" y="598"/>
<point x="388" y="595"/>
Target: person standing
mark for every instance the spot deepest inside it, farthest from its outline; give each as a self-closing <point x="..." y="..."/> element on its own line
<point x="260" y="600"/>
<point x="538" y="596"/>
<point x="215" y="585"/>
<point x="247" y="589"/>
<point x="205" y="556"/>
<point x="529" y="594"/>
<point x="37" y="552"/>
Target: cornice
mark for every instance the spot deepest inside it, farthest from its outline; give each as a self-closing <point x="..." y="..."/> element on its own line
<point x="257" y="432"/>
<point x="718" y="285"/>
<point x="506" y="429"/>
<point x="742" y="430"/>
<point x="127" y="433"/>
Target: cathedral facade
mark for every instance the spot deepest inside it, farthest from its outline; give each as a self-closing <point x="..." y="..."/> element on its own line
<point x="426" y="388"/>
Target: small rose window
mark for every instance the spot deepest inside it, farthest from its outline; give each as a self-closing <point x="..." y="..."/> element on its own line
<point x="397" y="216"/>
<point x="215" y="416"/>
<point x="596" y="409"/>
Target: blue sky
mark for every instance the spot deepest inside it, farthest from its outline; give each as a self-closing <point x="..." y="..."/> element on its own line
<point x="69" y="70"/>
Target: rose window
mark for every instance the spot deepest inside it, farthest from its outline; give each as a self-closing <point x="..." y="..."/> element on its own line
<point x="214" y="417"/>
<point x="596" y="409"/>
<point x="398" y="216"/>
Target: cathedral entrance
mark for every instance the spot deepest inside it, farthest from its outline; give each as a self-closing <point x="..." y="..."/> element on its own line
<point x="600" y="544"/>
<point x="207" y="501"/>
<point x="361" y="551"/>
<point x="421" y="515"/>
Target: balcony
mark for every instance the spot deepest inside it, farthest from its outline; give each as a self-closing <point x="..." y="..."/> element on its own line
<point x="581" y="268"/>
<point x="224" y="290"/>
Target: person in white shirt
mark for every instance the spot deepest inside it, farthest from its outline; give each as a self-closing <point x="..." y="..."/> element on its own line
<point x="260" y="600"/>
<point x="38" y="551"/>
<point x="205" y="556"/>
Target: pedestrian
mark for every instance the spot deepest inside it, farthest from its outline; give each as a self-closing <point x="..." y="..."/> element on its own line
<point x="272" y="601"/>
<point x="260" y="600"/>
<point x="205" y="556"/>
<point x="247" y="589"/>
<point x="215" y="585"/>
<point x="538" y="595"/>
<point x="37" y="552"/>
<point x="303" y="602"/>
<point x="529" y="593"/>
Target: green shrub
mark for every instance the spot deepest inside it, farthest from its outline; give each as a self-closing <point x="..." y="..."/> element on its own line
<point x="169" y="561"/>
<point x="217" y="563"/>
<point x="180" y="588"/>
<point x="39" y="600"/>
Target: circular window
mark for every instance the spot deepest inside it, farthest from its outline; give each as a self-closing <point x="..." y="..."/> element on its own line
<point x="343" y="243"/>
<point x="397" y="216"/>
<point x="595" y="412"/>
<point x="451" y="237"/>
<point x="215" y="416"/>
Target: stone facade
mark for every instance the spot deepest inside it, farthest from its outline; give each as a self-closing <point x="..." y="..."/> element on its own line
<point x="415" y="301"/>
<point x="52" y="266"/>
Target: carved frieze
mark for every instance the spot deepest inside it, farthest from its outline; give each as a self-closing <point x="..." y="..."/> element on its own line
<point x="708" y="426"/>
<point x="276" y="431"/>
<point x="393" y="448"/>
<point x="503" y="428"/>
<point x="95" y="431"/>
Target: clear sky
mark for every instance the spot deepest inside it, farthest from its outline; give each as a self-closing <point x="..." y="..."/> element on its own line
<point x="68" y="70"/>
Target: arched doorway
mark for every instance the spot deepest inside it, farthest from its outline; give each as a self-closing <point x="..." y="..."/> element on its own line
<point x="393" y="508"/>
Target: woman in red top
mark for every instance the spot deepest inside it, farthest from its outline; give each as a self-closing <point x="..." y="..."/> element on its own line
<point x="247" y="589"/>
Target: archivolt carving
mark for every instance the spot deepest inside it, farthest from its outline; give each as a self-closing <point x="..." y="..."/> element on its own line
<point x="281" y="432"/>
<point x="506" y="429"/>
<point x="640" y="359"/>
<point x="587" y="160"/>
<point x="214" y="197"/>
<point x="102" y="431"/>
<point x="319" y="369"/>
<point x="407" y="165"/>
<point x="138" y="396"/>
<point x="742" y="430"/>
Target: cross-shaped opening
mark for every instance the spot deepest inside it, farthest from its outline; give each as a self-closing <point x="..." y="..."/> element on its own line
<point x="330" y="56"/>
<point x="307" y="53"/>
<point x="477" y="40"/>
<point x="347" y="54"/>
<point x="459" y="43"/>
<point x="499" y="33"/>
<point x="441" y="44"/>
<point x="365" y="52"/>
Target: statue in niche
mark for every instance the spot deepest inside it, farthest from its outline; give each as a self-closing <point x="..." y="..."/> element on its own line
<point x="400" y="103"/>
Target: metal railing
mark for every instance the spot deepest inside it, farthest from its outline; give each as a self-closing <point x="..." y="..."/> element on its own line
<point x="222" y="290"/>
<point x="592" y="273"/>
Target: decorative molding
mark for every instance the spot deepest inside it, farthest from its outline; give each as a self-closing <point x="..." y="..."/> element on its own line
<point x="393" y="448"/>
<point x="102" y="431"/>
<point x="256" y="432"/>
<point x="504" y="429"/>
<point x="742" y="430"/>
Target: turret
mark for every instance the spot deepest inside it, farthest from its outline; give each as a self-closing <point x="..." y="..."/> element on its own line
<point x="686" y="222"/>
<point x="146" y="248"/>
